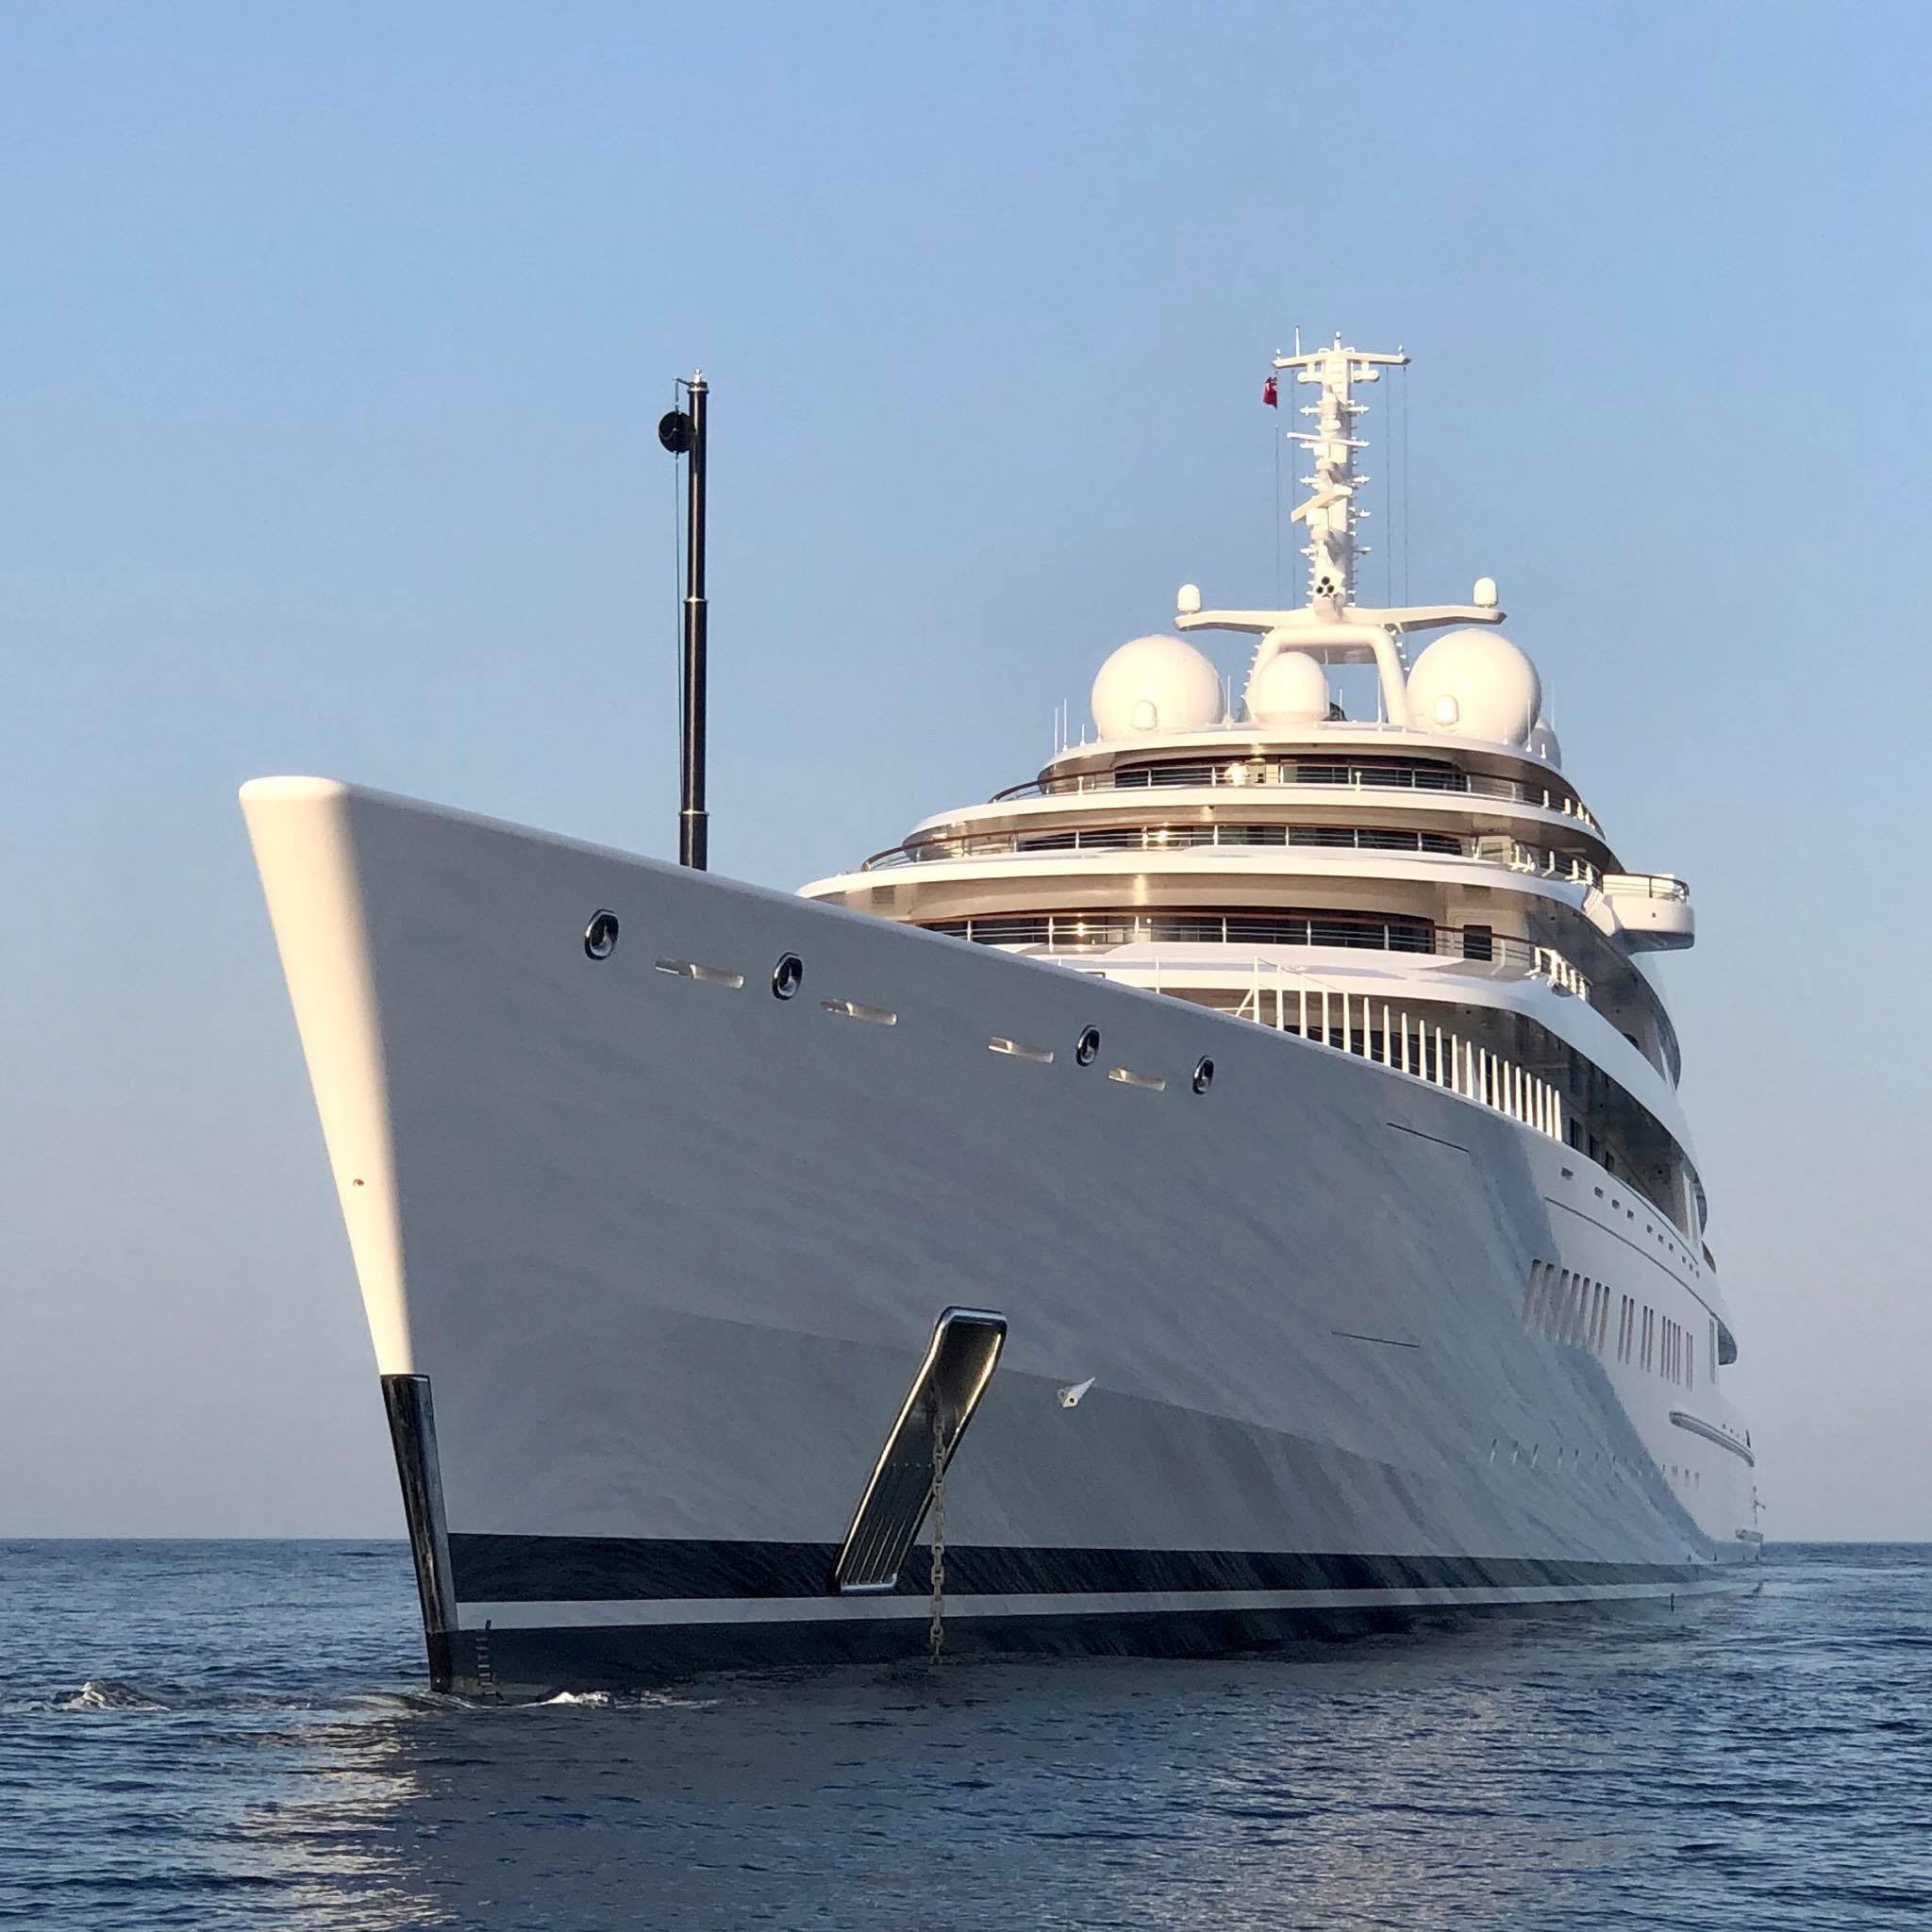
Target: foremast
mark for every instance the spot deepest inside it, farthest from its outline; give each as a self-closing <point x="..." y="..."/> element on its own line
<point x="1329" y="514"/>
<point x="1331" y="626"/>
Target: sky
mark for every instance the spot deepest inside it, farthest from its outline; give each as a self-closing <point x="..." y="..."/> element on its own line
<point x="332" y="344"/>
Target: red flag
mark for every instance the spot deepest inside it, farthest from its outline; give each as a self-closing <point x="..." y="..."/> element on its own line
<point x="1268" y="395"/>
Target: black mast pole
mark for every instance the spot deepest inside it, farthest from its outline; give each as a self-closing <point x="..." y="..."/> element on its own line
<point x="682" y="433"/>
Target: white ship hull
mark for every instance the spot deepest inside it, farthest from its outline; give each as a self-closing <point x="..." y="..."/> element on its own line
<point x="666" y="1252"/>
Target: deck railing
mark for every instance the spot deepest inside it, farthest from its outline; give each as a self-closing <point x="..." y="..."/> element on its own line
<point x="1383" y="1031"/>
<point x="1490" y="848"/>
<point x="1645" y="884"/>
<point x="1337" y="772"/>
<point x="1163" y="838"/>
<point x="1075" y="932"/>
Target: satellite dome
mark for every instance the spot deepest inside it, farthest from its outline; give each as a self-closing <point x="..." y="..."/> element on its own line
<point x="1289" y="689"/>
<point x="1155" y="684"/>
<point x="1474" y="684"/>
<point x="1544" y="743"/>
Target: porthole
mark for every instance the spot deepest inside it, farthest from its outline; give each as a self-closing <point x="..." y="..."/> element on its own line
<point x="787" y="975"/>
<point x="600" y="936"/>
<point x="1204" y="1074"/>
<point x="1088" y="1051"/>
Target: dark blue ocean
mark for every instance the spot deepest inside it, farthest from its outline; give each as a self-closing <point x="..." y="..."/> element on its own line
<point x="233" y="1735"/>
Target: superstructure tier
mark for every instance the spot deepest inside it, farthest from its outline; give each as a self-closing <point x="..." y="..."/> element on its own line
<point x="1425" y="887"/>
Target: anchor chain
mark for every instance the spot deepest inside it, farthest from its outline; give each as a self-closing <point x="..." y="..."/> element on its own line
<point x="936" y="1630"/>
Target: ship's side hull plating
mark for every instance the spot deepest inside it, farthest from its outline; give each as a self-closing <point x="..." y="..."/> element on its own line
<point x="667" y="1250"/>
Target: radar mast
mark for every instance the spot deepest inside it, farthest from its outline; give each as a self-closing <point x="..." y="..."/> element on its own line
<point x="1329" y="514"/>
<point x="1331" y="626"/>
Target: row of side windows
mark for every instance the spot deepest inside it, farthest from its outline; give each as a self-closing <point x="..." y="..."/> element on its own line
<point x="1572" y="1308"/>
<point x="1667" y="1349"/>
<point x="1566" y="1305"/>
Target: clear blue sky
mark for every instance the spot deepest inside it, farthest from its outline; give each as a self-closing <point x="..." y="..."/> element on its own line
<point x="331" y="345"/>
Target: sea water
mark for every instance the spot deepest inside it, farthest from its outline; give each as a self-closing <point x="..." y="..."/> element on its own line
<point x="235" y="1735"/>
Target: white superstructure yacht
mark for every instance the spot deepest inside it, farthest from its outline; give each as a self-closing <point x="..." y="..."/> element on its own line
<point x="1230" y="1185"/>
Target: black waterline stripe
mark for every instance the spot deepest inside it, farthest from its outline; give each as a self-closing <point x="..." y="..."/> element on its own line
<point x="540" y="1568"/>
<point x="534" y="1663"/>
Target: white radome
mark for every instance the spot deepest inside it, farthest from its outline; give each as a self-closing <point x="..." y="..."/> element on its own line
<point x="1544" y="743"/>
<point x="1289" y="689"/>
<point x="1474" y="684"/>
<point x="1155" y="684"/>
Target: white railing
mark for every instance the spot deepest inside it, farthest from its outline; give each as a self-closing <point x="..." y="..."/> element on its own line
<point x="1347" y="1023"/>
<point x="1500" y="849"/>
<point x="1103" y="931"/>
<point x="1326" y="774"/>
<point x="1050" y="842"/>
<point x="1551" y="965"/>
<point x="1645" y="884"/>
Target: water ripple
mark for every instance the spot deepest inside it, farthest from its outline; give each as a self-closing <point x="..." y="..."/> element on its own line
<point x="249" y="1747"/>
